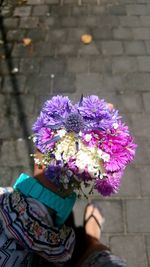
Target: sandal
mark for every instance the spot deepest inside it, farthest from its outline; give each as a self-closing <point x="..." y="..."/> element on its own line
<point x="93" y="216"/>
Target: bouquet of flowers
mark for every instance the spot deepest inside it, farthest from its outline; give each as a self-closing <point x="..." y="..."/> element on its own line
<point x="83" y="143"/>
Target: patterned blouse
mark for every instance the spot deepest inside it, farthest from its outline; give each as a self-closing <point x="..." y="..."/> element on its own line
<point x="26" y="229"/>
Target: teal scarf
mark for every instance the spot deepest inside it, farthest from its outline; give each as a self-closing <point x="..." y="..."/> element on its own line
<point x="30" y="187"/>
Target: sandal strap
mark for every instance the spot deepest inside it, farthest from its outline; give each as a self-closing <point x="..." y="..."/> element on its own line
<point x="92" y="216"/>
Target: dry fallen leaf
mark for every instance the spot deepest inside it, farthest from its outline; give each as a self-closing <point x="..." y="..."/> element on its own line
<point x="27" y="41"/>
<point x="86" y="38"/>
<point x="21" y="2"/>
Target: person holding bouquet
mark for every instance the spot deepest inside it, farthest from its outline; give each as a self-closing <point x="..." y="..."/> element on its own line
<point x="82" y="144"/>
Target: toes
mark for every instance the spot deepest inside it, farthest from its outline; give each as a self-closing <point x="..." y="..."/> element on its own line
<point x="89" y="211"/>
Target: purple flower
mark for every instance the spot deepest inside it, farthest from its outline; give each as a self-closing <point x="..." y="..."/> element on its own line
<point x="53" y="174"/>
<point x="72" y="166"/>
<point x="110" y="184"/>
<point x="93" y="107"/>
<point x="57" y="108"/>
<point x="97" y="113"/>
<point x="44" y="135"/>
<point x="84" y="176"/>
<point x="39" y="123"/>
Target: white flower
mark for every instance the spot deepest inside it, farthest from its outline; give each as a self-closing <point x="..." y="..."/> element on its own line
<point x="80" y="134"/>
<point x="115" y="125"/>
<point x="58" y="156"/>
<point x="80" y="164"/>
<point x="66" y="146"/>
<point x="34" y="139"/>
<point x="59" y="148"/>
<point x="88" y="137"/>
<point x="92" y="170"/>
<point x="102" y="175"/>
<point x="44" y="161"/>
<point x="105" y="157"/>
<point x="61" y="132"/>
<point x="92" y="149"/>
<point x="37" y="161"/>
<point x="100" y="152"/>
<point x="81" y="161"/>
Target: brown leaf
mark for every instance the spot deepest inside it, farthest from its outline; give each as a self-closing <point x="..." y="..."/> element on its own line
<point x="27" y="41"/>
<point x="86" y="38"/>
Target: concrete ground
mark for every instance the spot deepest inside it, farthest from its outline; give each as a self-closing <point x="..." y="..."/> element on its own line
<point x="115" y="66"/>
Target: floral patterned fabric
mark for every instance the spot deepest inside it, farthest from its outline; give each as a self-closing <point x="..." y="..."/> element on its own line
<point x="26" y="229"/>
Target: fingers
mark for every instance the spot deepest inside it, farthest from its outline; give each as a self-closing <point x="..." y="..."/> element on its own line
<point x="110" y="106"/>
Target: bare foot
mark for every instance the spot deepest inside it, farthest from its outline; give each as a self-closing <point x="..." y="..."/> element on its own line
<point x="93" y="221"/>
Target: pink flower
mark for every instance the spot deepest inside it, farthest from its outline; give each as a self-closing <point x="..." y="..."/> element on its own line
<point x="120" y="146"/>
<point x="90" y="138"/>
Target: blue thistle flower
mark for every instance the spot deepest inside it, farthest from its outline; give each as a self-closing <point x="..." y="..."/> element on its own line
<point x="74" y="123"/>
